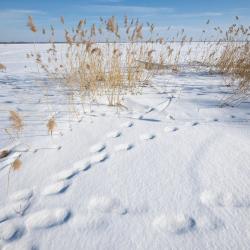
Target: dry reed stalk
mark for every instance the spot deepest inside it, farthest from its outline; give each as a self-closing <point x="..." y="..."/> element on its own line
<point x="15" y="166"/>
<point x="2" y="67"/>
<point x="16" y="121"/>
<point x="91" y="70"/>
<point x="31" y="24"/>
<point x="51" y="125"/>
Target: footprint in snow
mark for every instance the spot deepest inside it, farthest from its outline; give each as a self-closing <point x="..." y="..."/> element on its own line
<point x="82" y="165"/>
<point x="167" y="129"/>
<point x="195" y="124"/>
<point x="104" y="204"/>
<point x="209" y="223"/>
<point x="137" y="116"/>
<point x="47" y="218"/>
<point x="21" y="244"/>
<point x="10" y="231"/>
<point x="56" y="188"/>
<point x="145" y="137"/>
<point x="123" y="147"/>
<point x="114" y="134"/>
<point x="177" y="224"/>
<point x="13" y="210"/>
<point x="97" y="158"/>
<point x="89" y="223"/>
<point x="25" y="194"/>
<point x="65" y="174"/>
<point x="210" y="198"/>
<point x="127" y="124"/>
<point x="97" y="148"/>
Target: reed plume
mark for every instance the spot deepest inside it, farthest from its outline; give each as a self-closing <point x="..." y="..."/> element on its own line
<point x="51" y="125"/>
<point x="31" y="24"/>
<point x="16" y="121"/>
<point x="2" y="67"/>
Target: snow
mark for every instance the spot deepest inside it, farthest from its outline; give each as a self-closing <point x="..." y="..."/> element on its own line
<point x="171" y="172"/>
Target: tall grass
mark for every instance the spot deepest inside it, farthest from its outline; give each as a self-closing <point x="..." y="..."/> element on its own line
<point x="90" y="69"/>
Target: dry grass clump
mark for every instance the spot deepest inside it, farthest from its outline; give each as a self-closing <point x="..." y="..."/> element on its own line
<point x="16" y="122"/>
<point x="51" y="125"/>
<point x="2" y="67"/>
<point x="234" y="60"/>
<point x="91" y="69"/>
<point x="4" y="153"/>
<point x="16" y="165"/>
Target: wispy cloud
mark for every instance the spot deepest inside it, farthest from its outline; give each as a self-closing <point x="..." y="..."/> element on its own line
<point x="127" y="9"/>
<point x="18" y="13"/>
<point x="193" y="15"/>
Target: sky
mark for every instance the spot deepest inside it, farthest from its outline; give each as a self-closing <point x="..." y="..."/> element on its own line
<point x="190" y="15"/>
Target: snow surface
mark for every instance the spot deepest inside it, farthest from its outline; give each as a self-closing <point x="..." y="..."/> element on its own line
<point x="171" y="172"/>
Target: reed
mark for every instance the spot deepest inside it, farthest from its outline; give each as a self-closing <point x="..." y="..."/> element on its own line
<point x="2" y="67"/>
<point x="92" y="70"/>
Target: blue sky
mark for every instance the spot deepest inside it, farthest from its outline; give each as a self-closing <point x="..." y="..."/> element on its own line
<point x="190" y="15"/>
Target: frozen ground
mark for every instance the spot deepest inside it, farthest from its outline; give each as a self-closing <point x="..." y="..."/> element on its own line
<point x="171" y="172"/>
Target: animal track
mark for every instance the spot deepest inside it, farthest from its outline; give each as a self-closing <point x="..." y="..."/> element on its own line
<point x="103" y="204"/>
<point x="65" y="174"/>
<point x="25" y="194"/>
<point x="13" y="210"/>
<point x="205" y="222"/>
<point x="127" y="124"/>
<point x="56" y="188"/>
<point x="114" y="134"/>
<point x="167" y="129"/>
<point x="97" y="148"/>
<point x="195" y="124"/>
<point x="177" y="224"/>
<point x="10" y="231"/>
<point x="145" y="137"/>
<point x="210" y="198"/>
<point x="98" y="158"/>
<point x="82" y="165"/>
<point x="89" y="222"/>
<point x="123" y="147"/>
<point x="47" y="218"/>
